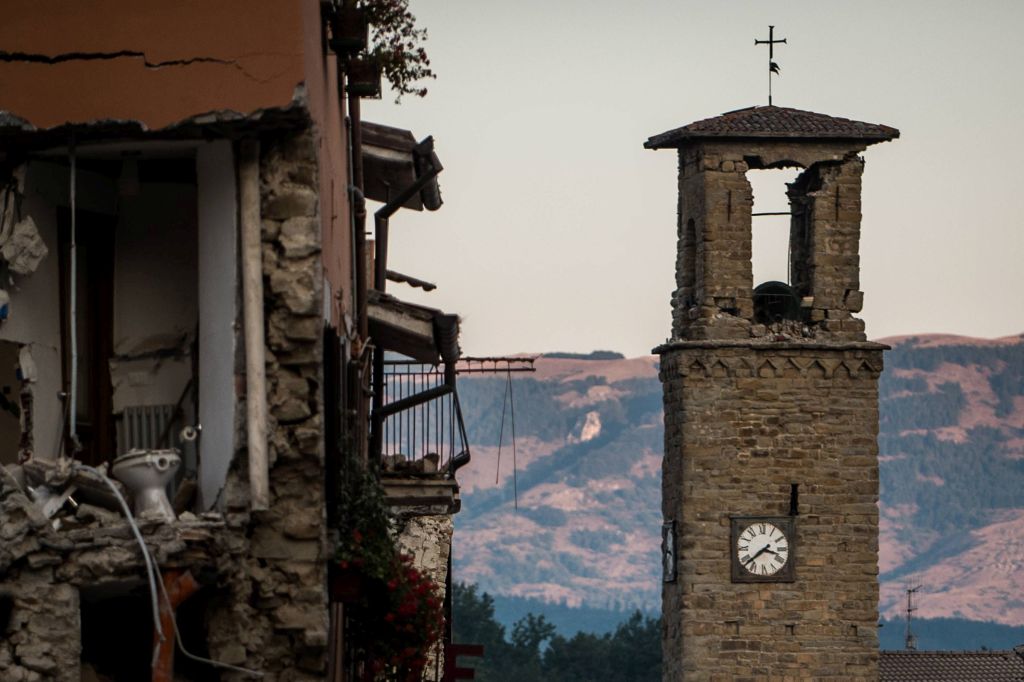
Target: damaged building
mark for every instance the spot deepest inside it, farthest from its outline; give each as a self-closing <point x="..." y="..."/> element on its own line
<point x="197" y="343"/>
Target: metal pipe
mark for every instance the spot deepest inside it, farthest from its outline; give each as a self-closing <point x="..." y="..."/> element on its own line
<point x="381" y="216"/>
<point x="359" y="246"/>
<point x="377" y="408"/>
<point x="178" y="586"/>
<point x="359" y="204"/>
<point x="380" y="255"/>
<point x="73" y="306"/>
<point x="380" y="265"/>
<point x="255" y="349"/>
<point x="415" y="399"/>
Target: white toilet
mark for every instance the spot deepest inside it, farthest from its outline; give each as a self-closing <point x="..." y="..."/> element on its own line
<point x="146" y="474"/>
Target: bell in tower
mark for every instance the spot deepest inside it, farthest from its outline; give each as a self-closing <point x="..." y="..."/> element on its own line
<point x="770" y="474"/>
<point x="715" y="293"/>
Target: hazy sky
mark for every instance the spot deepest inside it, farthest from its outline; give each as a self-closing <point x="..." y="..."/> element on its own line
<point x="558" y="229"/>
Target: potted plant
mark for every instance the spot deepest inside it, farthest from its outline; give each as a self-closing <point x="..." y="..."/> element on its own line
<point x="396" y="613"/>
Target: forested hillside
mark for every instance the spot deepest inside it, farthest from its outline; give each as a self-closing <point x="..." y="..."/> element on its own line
<point x="588" y="454"/>
<point x="532" y="651"/>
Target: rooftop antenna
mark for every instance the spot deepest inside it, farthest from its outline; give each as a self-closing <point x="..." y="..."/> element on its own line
<point x="773" y="68"/>
<point x="910" y="640"/>
<point x="498" y="365"/>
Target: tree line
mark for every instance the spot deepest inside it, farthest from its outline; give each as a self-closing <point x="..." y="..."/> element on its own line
<point x="534" y="652"/>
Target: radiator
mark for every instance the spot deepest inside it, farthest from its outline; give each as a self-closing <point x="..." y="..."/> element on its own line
<point x="141" y="426"/>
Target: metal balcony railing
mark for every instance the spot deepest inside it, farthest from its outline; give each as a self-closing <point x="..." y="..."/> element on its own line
<point x="425" y="438"/>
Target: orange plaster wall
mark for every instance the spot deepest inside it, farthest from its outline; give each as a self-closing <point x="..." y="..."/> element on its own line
<point x="237" y="55"/>
<point x="325" y="109"/>
<point x="242" y="55"/>
<point x="334" y="201"/>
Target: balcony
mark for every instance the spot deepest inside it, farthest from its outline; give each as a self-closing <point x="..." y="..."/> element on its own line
<point x="423" y="437"/>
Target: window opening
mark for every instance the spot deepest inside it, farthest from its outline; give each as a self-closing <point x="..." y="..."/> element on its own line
<point x="770" y="224"/>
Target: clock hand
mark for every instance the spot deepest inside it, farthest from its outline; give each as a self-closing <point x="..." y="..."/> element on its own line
<point x="759" y="553"/>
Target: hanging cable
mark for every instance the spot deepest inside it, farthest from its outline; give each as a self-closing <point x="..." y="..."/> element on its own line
<point x="508" y="401"/>
<point x="157" y="586"/>
<point x="501" y="429"/>
<point x="186" y="653"/>
<point x="147" y="558"/>
<point x="515" y="467"/>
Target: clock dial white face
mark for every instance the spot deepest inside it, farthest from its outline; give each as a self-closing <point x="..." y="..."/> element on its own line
<point x="762" y="548"/>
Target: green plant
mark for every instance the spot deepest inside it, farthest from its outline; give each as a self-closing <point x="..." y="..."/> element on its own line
<point x="364" y="543"/>
<point x="412" y="623"/>
<point x="398" y="615"/>
<point x="397" y="44"/>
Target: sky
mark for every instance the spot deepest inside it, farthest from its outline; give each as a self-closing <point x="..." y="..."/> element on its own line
<point x="558" y="229"/>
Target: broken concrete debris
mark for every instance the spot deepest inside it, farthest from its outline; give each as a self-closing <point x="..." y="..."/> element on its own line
<point x="24" y="249"/>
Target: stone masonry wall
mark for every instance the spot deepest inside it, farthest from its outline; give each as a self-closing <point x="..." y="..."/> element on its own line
<point x="714" y="277"/>
<point x="41" y="641"/>
<point x="269" y="612"/>
<point x="273" y="613"/>
<point x="742" y="422"/>
<point x="715" y="301"/>
<point x="825" y="245"/>
<point x="427" y="538"/>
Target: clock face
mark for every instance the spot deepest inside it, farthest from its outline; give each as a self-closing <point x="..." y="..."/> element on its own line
<point x="762" y="548"/>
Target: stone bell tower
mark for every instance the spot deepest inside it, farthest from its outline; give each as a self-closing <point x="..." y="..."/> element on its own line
<point x="770" y="477"/>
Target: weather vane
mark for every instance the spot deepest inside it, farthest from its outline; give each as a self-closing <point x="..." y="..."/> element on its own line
<point x="772" y="66"/>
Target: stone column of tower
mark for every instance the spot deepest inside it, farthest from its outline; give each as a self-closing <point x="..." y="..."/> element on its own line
<point x="771" y="411"/>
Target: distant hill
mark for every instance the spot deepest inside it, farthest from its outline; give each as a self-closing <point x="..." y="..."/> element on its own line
<point x="588" y="483"/>
<point x="952" y="477"/>
<point x="950" y="634"/>
<point x="595" y="355"/>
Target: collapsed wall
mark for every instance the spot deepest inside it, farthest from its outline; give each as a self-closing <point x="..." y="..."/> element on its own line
<point x="264" y="572"/>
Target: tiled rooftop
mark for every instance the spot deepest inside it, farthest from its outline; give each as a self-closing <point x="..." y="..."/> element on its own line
<point x="774" y="123"/>
<point x="952" y="666"/>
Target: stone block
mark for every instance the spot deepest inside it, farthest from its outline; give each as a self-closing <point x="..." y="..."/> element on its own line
<point x="299" y="237"/>
<point x="290" y="201"/>
<point x="269" y="543"/>
<point x="296" y="289"/>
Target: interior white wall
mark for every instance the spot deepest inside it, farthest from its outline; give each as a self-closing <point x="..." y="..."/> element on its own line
<point x="35" y="299"/>
<point x="155" y="272"/>
<point x="155" y="294"/>
<point x="218" y="282"/>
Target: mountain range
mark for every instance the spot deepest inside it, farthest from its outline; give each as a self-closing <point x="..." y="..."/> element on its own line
<point x="569" y="514"/>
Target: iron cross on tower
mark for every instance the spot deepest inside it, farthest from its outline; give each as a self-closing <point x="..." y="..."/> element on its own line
<point x="772" y="66"/>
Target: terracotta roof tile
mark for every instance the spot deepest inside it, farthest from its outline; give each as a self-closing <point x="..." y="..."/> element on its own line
<point x="774" y="123"/>
<point x="951" y="666"/>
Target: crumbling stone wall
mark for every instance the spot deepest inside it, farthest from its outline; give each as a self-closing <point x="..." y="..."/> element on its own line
<point x="714" y="277"/>
<point x="270" y="609"/>
<point x="274" y="614"/>
<point x="427" y="538"/>
<point x="41" y="640"/>
<point x="744" y="420"/>
<point x="47" y="573"/>
<point x="825" y="245"/>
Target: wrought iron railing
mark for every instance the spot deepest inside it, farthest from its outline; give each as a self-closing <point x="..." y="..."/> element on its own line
<point x="424" y="438"/>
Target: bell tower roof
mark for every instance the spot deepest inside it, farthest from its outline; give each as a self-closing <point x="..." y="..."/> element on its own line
<point x="773" y="123"/>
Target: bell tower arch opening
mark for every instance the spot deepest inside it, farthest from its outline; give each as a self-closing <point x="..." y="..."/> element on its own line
<point x="770" y="224"/>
